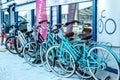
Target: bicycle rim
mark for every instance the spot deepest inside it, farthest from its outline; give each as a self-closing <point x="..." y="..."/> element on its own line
<point x="18" y="46"/>
<point x="32" y="54"/>
<point x="103" y="61"/>
<point x="43" y="49"/>
<point x="82" y="69"/>
<point x="61" y="64"/>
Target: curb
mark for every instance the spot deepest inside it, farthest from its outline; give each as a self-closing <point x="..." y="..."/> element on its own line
<point x="5" y="50"/>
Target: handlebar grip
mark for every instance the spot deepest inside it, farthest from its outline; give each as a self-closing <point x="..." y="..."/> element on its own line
<point x="38" y="26"/>
<point x="55" y="31"/>
<point x="59" y="25"/>
<point x="23" y="22"/>
<point x="71" y="22"/>
<point x="43" y="21"/>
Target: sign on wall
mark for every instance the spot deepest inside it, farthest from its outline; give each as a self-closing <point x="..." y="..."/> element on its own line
<point x="41" y="15"/>
<point x="108" y="22"/>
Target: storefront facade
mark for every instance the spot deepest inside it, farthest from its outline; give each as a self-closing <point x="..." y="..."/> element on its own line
<point x="13" y="11"/>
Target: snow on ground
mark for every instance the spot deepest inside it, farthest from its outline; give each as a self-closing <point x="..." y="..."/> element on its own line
<point x="13" y="67"/>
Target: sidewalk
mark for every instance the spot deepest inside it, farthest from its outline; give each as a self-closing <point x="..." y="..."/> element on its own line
<point x="2" y="48"/>
<point x="13" y="67"/>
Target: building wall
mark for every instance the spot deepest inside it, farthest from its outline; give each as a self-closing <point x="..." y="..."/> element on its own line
<point x="62" y="2"/>
<point x="20" y="7"/>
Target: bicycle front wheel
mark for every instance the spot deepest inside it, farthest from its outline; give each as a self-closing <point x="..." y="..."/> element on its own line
<point x="102" y="60"/>
<point x="61" y="62"/>
<point x="32" y="54"/>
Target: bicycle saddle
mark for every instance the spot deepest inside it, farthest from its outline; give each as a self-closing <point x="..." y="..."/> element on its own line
<point x="85" y="36"/>
<point x="69" y="35"/>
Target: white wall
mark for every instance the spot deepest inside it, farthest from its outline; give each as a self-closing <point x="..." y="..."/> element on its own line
<point x="3" y="1"/>
<point x="29" y="27"/>
<point x="22" y="1"/>
<point x="112" y="10"/>
<point x="26" y="7"/>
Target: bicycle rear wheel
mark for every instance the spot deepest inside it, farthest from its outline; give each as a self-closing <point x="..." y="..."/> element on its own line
<point x="18" y="46"/>
<point x="61" y="63"/>
<point x="82" y="69"/>
<point x="102" y="59"/>
<point x="9" y="44"/>
<point x="32" y="54"/>
<point x="13" y="45"/>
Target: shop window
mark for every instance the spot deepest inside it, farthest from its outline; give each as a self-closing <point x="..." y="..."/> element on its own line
<point x="6" y="16"/>
<point x="22" y="17"/>
<point x="83" y="13"/>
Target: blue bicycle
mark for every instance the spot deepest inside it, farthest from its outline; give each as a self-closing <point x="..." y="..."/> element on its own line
<point x="87" y="60"/>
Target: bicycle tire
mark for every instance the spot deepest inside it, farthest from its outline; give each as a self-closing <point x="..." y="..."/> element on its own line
<point x="9" y="44"/>
<point x="102" y="59"/>
<point x="81" y="69"/>
<point x="18" y="46"/>
<point x="31" y="53"/>
<point x="44" y="48"/>
<point x="62" y="65"/>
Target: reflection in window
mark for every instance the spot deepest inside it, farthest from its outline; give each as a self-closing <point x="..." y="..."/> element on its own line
<point x="6" y="16"/>
<point x="82" y="14"/>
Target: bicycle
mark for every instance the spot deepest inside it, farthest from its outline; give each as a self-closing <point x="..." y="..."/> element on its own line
<point x="65" y="59"/>
<point x="17" y="39"/>
<point x="34" y="52"/>
<point x="104" y="60"/>
<point x="102" y="24"/>
<point x="59" y="51"/>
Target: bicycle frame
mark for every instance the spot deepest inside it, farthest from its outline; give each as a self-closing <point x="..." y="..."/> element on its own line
<point x="22" y="38"/>
<point x="71" y="48"/>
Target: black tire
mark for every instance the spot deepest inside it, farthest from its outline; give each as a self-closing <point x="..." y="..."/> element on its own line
<point x="32" y="55"/>
<point x="13" y="45"/>
<point x="18" y="46"/>
<point x="81" y="69"/>
<point x="103" y="59"/>
<point x="61" y="64"/>
<point x="9" y="44"/>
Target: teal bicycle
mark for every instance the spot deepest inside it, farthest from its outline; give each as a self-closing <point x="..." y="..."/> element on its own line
<point x="63" y="59"/>
<point x="87" y="60"/>
<point x="105" y="61"/>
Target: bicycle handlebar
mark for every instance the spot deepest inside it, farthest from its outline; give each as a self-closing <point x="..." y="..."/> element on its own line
<point x="71" y="22"/>
<point x="17" y="23"/>
<point x="43" y="21"/>
<point x="24" y="22"/>
<point x="59" y="25"/>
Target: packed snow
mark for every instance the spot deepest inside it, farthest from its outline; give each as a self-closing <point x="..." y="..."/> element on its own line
<point x="13" y="67"/>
